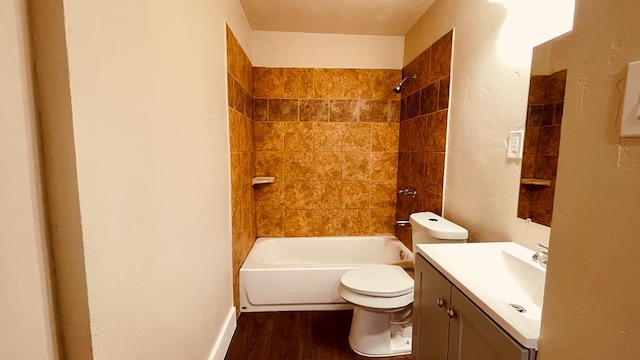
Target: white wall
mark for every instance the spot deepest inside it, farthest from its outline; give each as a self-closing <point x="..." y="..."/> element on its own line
<point x="26" y="315"/>
<point x="591" y="307"/>
<point x="306" y="50"/>
<point x="489" y="88"/>
<point x="237" y="21"/>
<point x="147" y="88"/>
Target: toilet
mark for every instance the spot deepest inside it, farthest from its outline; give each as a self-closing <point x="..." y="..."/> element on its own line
<point x="382" y="295"/>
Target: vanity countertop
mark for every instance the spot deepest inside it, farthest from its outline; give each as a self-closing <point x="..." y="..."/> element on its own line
<point x="493" y="276"/>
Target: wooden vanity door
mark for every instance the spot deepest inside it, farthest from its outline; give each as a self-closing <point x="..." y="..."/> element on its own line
<point x="473" y="336"/>
<point x="431" y="322"/>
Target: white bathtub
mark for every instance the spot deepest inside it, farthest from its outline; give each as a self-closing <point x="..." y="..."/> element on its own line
<point x="292" y="274"/>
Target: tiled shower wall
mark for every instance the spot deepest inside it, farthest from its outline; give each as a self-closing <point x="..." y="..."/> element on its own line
<point x="423" y="132"/>
<point x="541" y="145"/>
<point x="330" y="138"/>
<point x="243" y="229"/>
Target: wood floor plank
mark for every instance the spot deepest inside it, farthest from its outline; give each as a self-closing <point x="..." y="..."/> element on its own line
<point x="303" y="335"/>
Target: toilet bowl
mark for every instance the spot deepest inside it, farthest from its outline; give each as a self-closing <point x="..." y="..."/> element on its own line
<point x="382" y="295"/>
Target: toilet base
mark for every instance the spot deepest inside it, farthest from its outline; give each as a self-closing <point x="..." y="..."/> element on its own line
<point x="381" y="334"/>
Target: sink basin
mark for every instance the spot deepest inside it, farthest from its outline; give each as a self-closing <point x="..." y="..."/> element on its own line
<point x="500" y="278"/>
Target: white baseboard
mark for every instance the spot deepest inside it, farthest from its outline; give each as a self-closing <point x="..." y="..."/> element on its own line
<point x="224" y="339"/>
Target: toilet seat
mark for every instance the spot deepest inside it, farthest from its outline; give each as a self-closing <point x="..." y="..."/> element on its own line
<point x="377" y="287"/>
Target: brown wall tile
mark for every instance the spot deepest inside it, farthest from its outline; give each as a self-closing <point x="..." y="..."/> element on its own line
<point x="384" y="137"/>
<point x="268" y="83"/>
<point x="384" y="165"/>
<point x="394" y="111"/>
<point x="382" y="221"/>
<point x="383" y="194"/>
<point x="327" y="166"/>
<point x="314" y="110"/>
<point x="260" y="110"/>
<point x="329" y="195"/>
<point x="298" y="165"/>
<point x="298" y="136"/>
<point x="413" y="105"/>
<point x="269" y="136"/>
<point x="355" y="222"/>
<point x="531" y="135"/>
<point x="429" y="99"/>
<point x="270" y="222"/>
<point x="441" y="57"/>
<point x="443" y="93"/>
<point x="300" y="194"/>
<point x="549" y="140"/>
<point x="358" y="83"/>
<point x="435" y="172"/>
<point x="344" y="110"/>
<point x="374" y="111"/>
<point x="282" y="110"/>
<point x="270" y="163"/>
<point x="327" y="223"/>
<point x="328" y="136"/>
<point x="322" y="156"/>
<point x="357" y="137"/>
<point x="299" y="222"/>
<point x="383" y="82"/>
<point x="328" y="84"/>
<point x="356" y="166"/>
<point x="298" y="83"/>
<point x="437" y="130"/>
<point x="355" y="195"/>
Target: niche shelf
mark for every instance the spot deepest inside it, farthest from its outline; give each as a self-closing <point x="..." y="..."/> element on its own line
<point x="537" y="182"/>
<point x="261" y="180"/>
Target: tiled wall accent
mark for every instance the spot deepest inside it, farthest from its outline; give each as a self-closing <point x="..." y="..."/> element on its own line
<point x="423" y="132"/>
<point x="239" y="82"/>
<point x="330" y="138"/>
<point x="541" y="145"/>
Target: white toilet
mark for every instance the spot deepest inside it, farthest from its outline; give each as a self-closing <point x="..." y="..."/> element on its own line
<point x="382" y="295"/>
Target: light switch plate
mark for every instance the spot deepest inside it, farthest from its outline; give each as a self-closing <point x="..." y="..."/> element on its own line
<point x="515" y="145"/>
<point x="630" y="122"/>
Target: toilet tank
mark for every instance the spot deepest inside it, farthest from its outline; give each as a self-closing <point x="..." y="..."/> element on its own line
<point x="429" y="228"/>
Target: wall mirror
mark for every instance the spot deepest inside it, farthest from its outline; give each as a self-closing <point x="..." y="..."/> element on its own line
<point x="542" y="138"/>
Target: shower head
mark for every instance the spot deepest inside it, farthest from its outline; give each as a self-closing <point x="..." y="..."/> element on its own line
<point x="398" y="88"/>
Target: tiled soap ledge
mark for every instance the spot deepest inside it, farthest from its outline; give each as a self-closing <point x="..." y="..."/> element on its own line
<point x="261" y="180"/>
<point x="532" y="181"/>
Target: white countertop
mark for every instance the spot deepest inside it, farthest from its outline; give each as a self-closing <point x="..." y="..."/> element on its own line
<point x="493" y="275"/>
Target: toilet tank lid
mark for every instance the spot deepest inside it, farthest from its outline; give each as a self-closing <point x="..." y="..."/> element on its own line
<point x="437" y="226"/>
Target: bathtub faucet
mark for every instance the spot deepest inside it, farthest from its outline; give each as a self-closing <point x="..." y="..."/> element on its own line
<point x="403" y="223"/>
<point x="407" y="192"/>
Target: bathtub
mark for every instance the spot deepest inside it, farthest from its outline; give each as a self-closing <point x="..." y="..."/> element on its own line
<point x="292" y="274"/>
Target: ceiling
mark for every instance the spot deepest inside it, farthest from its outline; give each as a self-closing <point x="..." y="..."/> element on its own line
<point x="356" y="17"/>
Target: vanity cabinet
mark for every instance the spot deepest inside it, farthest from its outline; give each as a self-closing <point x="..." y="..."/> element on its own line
<point x="448" y="326"/>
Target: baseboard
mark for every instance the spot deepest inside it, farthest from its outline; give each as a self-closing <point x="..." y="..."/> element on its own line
<point x="224" y="339"/>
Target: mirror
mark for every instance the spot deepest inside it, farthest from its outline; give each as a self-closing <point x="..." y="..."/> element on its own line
<point x="542" y="138"/>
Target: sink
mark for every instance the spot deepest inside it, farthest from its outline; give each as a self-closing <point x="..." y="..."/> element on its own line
<point x="498" y="277"/>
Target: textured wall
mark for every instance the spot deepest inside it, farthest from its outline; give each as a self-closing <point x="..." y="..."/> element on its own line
<point x="281" y="49"/>
<point x="423" y="132"/>
<point x="330" y="137"/>
<point x="149" y="113"/>
<point x="26" y="312"/>
<point x="591" y="307"/>
<point x="243" y="213"/>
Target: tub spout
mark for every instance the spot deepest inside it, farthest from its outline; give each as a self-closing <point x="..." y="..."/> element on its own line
<point x="403" y="223"/>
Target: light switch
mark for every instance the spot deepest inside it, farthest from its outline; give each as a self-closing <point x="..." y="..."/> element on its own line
<point x="516" y="144"/>
<point x="630" y="122"/>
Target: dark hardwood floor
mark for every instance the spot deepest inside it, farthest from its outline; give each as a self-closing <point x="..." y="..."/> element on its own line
<point x="308" y="335"/>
